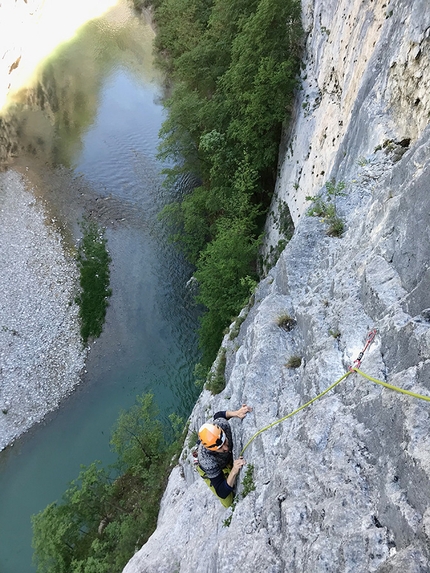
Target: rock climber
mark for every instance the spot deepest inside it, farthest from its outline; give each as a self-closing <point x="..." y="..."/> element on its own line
<point x="215" y="457"/>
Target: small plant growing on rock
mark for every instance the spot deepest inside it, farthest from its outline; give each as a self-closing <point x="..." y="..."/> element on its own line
<point x="286" y="225"/>
<point x="248" y="486"/>
<point x="336" y="227"/>
<point x="216" y="380"/>
<point x="234" y="332"/>
<point x="286" y="322"/>
<point x="294" y="362"/>
<point x="325" y="206"/>
<point x="200" y="375"/>
<point x="193" y="439"/>
<point x="248" y="481"/>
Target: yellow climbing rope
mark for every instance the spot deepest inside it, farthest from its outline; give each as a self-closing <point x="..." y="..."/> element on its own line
<point x="351" y="371"/>
<point x="295" y="411"/>
<point x="391" y="387"/>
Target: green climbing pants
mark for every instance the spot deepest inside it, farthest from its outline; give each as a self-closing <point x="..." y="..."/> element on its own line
<point x="227" y="501"/>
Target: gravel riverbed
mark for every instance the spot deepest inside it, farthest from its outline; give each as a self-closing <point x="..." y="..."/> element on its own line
<point x="41" y="353"/>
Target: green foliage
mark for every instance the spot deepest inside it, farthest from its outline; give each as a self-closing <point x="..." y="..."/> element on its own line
<point x="294" y="362"/>
<point x="193" y="439"/>
<point x="248" y="485"/>
<point x="224" y="289"/>
<point x="326" y="207"/>
<point x="200" y="374"/>
<point x="93" y="261"/>
<point x="286" y="322"/>
<point x="104" y="515"/>
<point x="216" y="379"/>
<point x="236" y="326"/>
<point x="248" y="481"/>
<point x="233" y="65"/>
<point x="139" y="5"/>
<point x="270" y="260"/>
<point x="286" y="225"/>
<point x="138" y="438"/>
<point x="336" y="227"/>
<point x="318" y="207"/>
<point x="335" y="190"/>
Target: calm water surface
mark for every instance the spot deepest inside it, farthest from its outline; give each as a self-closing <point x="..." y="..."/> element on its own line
<point x="95" y="156"/>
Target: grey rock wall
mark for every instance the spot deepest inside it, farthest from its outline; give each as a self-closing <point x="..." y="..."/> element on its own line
<point x="365" y="84"/>
<point x="342" y="486"/>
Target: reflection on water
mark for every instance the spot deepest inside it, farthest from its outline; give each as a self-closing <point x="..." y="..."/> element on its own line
<point x="31" y="29"/>
<point x="91" y="134"/>
<point x="63" y="99"/>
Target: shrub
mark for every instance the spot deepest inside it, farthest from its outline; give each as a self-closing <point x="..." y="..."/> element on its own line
<point x="325" y="206"/>
<point x="248" y="486"/>
<point x="294" y="362"/>
<point x="220" y="268"/>
<point x="216" y="379"/>
<point x="236" y="327"/>
<point x="286" y="322"/>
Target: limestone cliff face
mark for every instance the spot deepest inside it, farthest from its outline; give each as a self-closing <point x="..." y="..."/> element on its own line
<point x="344" y="484"/>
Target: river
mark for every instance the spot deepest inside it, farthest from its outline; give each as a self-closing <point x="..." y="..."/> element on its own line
<point x="93" y="154"/>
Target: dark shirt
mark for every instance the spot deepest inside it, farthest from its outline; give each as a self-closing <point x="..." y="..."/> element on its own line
<point x="213" y="462"/>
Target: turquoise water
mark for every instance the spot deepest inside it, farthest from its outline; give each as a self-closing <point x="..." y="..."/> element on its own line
<point x="149" y="343"/>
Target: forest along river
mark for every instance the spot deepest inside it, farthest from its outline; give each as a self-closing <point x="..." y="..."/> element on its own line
<point x="94" y="155"/>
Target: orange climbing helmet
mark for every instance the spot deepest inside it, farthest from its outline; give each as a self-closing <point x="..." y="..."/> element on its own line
<point x="211" y="436"/>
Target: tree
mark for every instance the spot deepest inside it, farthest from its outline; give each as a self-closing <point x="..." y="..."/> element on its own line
<point x="233" y="84"/>
<point x="221" y="272"/>
<point x="138" y="438"/>
<point x="64" y="532"/>
<point x="103" y="515"/>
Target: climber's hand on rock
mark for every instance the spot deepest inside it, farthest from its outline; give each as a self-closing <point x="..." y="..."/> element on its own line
<point x="238" y="464"/>
<point x="242" y="412"/>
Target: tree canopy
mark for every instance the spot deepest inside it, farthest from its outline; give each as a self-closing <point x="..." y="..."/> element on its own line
<point x="232" y="65"/>
<point x="106" y="513"/>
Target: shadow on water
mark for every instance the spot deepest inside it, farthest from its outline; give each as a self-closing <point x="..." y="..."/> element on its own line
<point x="92" y="153"/>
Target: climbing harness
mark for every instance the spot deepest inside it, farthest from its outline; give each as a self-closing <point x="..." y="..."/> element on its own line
<point x="353" y="369"/>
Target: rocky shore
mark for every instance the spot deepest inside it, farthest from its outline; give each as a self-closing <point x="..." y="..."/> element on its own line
<point x="41" y="353"/>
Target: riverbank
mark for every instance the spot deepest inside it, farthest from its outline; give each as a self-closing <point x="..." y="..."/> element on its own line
<point x="41" y="354"/>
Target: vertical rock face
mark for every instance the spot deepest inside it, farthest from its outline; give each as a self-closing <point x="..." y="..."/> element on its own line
<point x="343" y="485"/>
<point x="365" y="83"/>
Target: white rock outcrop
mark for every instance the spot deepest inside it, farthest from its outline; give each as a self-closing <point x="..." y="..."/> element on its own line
<point x="343" y="486"/>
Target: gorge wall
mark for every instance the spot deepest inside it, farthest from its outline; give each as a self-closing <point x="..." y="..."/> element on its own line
<point x="344" y="484"/>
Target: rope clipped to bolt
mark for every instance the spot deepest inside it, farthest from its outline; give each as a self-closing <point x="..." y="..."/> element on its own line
<point x="355" y="368"/>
